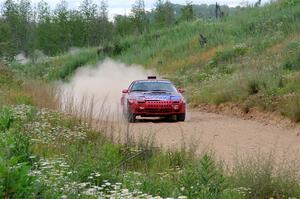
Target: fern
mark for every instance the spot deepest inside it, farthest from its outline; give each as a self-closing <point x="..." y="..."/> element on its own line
<point x="205" y="180"/>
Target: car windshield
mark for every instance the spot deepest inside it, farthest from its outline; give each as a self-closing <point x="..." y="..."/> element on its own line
<point x="149" y="86"/>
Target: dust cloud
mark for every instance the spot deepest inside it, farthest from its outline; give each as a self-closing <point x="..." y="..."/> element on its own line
<point x="97" y="90"/>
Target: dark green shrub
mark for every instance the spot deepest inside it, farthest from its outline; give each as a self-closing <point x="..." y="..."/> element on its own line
<point x="292" y="56"/>
<point x="253" y="87"/>
<point x="230" y="54"/>
<point x="15" y="164"/>
<point x="204" y="179"/>
<point x="15" y="181"/>
<point x="6" y="119"/>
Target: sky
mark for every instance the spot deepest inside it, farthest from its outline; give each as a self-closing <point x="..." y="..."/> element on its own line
<point x="124" y="6"/>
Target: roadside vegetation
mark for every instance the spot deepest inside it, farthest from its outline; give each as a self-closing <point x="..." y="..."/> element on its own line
<point x="48" y="154"/>
<point x="251" y="58"/>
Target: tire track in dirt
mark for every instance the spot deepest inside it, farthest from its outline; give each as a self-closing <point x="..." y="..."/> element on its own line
<point x="226" y="136"/>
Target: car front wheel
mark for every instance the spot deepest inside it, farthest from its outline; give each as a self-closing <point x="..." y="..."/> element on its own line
<point x="131" y="117"/>
<point x="180" y="117"/>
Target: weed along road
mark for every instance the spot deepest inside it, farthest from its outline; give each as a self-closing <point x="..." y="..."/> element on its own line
<point x="227" y="137"/>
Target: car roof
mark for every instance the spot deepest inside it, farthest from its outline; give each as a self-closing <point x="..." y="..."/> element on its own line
<point x="154" y="80"/>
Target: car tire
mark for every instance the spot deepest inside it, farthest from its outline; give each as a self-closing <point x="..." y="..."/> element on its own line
<point x="180" y="117"/>
<point x="131" y="118"/>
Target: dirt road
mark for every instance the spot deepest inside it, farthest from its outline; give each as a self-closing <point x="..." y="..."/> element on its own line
<point x="225" y="135"/>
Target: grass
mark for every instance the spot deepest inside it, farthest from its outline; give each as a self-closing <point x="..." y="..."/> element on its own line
<point x="57" y="68"/>
<point x="263" y="176"/>
<point x="55" y="149"/>
<point x="251" y="59"/>
<point x="51" y="148"/>
<point x="58" y="149"/>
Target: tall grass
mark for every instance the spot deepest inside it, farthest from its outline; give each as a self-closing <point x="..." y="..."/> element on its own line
<point x="254" y="41"/>
<point x="248" y="59"/>
<point x="59" y="67"/>
<point x="57" y="149"/>
<point x="80" y="154"/>
<point x="264" y="175"/>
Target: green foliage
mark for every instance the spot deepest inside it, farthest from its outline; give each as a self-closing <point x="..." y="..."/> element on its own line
<point x="292" y="57"/>
<point x="139" y="19"/>
<point x="53" y="32"/>
<point x="264" y="178"/>
<point x="89" y="158"/>
<point x="7" y="48"/>
<point x="73" y="61"/>
<point x="15" y="163"/>
<point x="123" y="25"/>
<point x="290" y="107"/>
<point x="187" y="12"/>
<point x="5" y="119"/>
<point x="205" y="180"/>
<point x="164" y="14"/>
<point x="23" y="99"/>
<point x="253" y="87"/>
<point x="230" y="54"/>
<point x="246" y="70"/>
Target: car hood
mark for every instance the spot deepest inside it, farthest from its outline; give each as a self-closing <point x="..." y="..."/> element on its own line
<point x="156" y="96"/>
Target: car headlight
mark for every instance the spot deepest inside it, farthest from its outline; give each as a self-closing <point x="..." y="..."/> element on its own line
<point x="175" y="98"/>
<point x="141" y="98"/>
<point x="131" y="101"/>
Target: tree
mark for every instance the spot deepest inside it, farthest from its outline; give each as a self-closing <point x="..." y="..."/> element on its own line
<point x="123" y="25"/>
<point x="103" y="25"/>
<point x="7" y="48"/>
<point x="139" y="16"/>
<point x="88" y="10"/>
<point x="18" y="17"/>
<point x="46" y="34"/>
<point x="187" y="13"/>
<point x="169" y="13"/>
<point x="25" y="27"/>
<point x="77" y="25"/>
<point x="61" y="25"/>
<point x="164" y="14"/>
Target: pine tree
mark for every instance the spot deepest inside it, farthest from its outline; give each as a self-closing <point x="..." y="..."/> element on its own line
<point x="62" y="32"/>
<point x="104" y="28"/>
<point x="139" y="16"/>
<point x="164" y="14"/>
<point x="45" y="30"/>
<point x="88" y="10"/>
<point x="7" y="48"/>
<point x="187" y="13"/>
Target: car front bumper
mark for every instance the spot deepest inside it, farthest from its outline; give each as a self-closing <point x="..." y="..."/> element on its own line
<point x="157" y="108"/>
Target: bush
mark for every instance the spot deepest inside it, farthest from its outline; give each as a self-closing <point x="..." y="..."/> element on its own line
<point x="205" y="180"/>
<point x="73" y="61"/>
<point x="230" y="54"/>
<point x="253" y="87"/>
<point x="292" y="57"/>
<point x="264" y="176"/>
<point x="290" y="107"/>
<point x="15" y="163"/>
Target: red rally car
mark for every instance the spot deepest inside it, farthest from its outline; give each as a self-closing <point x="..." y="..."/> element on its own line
<point x="153" y="98"/>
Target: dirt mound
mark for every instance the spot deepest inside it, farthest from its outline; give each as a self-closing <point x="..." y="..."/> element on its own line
<point x="236" y="110"/>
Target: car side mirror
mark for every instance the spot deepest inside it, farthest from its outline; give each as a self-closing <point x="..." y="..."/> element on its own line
<point x="181" y="90"/>
<point x="125" y="91"/>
